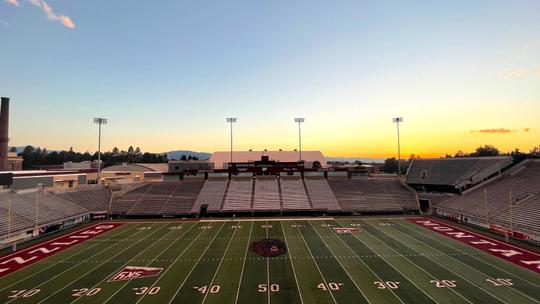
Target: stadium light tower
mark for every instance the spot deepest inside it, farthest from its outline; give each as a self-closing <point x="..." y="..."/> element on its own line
<point x="397" y="120"/>
<point x="299" y="120"/>
<point x="231" y="120"/>
<point x="99" y="121"/>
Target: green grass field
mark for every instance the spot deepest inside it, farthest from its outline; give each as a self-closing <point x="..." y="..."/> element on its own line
<point x="386" y="261"/>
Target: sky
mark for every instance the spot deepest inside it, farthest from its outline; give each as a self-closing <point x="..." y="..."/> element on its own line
<point x="166" y="74"/>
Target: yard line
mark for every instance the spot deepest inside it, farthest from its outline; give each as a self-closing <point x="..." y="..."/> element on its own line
<point x="167" y="248"/>
<point x="314" y="260"/>
<point x="267" y="269"/>
<point x="330" y="249"/>
<point x="194" y="266"/>
<point x="244" y="264"/>
<point x="374" y="273"/>
<point x="451" y="289"/>
<point x="455" y="259"/>
<point x="131" y="259"/>
<point x="471" y="255"/>
<point x="292" y="264"/>
<point x="63" y="260"/>
<point x="220" y="262"/>
<point x="443" y="266"/>
<point x="175" y="260"/>
<point x="96" y="266"/>
<point x="397" y="270"/>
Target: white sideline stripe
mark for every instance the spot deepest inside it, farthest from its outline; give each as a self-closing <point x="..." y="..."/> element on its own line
<point x="451" y="271"/>
<point x="63" y="260"/>
<point x="148" y="264"/>
<point x="343" y="267"/>
<point x="268" y="219"/>
<point x="170" y="266"/>
<point x="316" y="264"/>
<point x="194" y="266"/>
<point x="370" y="269"/>
<point x="473" y="255"/>
<point x="244" y="264"/>
<point x="292" y="264"/>
<point x="397" y="270"/>
<point x="125" y="264"/>
<point x="82" y="275"/>
<point x="476" y="270"/>
<point x="416" y="265"/>
<point x="267" y="270"/>
<point x="220" y="262"/>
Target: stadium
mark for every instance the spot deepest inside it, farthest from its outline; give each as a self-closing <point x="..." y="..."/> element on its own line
<point x="273" y="227"/>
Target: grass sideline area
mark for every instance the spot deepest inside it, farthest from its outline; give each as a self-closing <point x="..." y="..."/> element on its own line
<point x="373" y="260"/>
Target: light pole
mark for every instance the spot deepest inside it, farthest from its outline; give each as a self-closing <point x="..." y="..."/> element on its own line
<point x="231" y="120"/>
<point x="99" y="121"/>
<point x="299" y="120"/>
<point x="397" y="120"/>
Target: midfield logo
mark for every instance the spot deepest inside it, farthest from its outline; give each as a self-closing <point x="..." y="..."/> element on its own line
<point x="344" y="230"/>
<point x="135" y="272"/>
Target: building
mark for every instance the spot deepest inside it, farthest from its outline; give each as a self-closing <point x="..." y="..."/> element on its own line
<point x="179" y="166"/>
<point x="14" y="162"/>
<point x="311" y="159"/>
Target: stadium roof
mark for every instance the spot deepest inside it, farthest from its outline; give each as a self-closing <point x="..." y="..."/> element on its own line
<point x="162" y="167"/>
<point x="221" y="157"/>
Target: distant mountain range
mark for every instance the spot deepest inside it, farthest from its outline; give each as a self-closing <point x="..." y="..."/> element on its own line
<point x="178" y="154"/>
<point x="353" y="159"/>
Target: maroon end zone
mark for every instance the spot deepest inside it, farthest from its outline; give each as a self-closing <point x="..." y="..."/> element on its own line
<point x="513" y="254"/>
<point x="17" y="260"/>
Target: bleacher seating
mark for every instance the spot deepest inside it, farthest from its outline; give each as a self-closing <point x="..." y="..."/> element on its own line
<point x="294" y="195"/>
<point x="182" y="199"/>
<point x="321" y="195"/>
<point x="92" y="199"/>
<point x="212" y="195"/>
<point x="239" y="195"/>
<point x="524" y="183"/>
<point x="266" y="196"/>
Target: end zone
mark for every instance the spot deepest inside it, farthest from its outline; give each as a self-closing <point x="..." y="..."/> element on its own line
<point x="20" y="259"/>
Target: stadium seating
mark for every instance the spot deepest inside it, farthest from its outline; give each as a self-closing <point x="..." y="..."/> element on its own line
<point x="182" y="199"/>
<point x="321" y="195"/>
<point x="239" y="195"/>
<point x="524" y="183"/>
<point x="266" y="196"/>
<point x="211" y="195"/>
<point x="294" y="195"/>
<point x="92" y="199"/>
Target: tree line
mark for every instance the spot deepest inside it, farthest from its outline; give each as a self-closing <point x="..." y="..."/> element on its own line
<point x="33" y="158"/>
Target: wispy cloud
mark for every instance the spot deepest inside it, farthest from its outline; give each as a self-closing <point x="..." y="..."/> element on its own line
<point x="498" y="131"/>
<point x="14" y="2"/>
<point x="65" y="20"/>
<point x="515" y="73"/>
<point x="49" y="12"/>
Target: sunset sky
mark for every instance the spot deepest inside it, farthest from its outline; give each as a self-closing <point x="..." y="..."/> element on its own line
<point x="167" y="73"/>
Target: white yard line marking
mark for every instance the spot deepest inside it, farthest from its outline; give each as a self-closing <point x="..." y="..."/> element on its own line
<point x="267" y="269"/>
<point x="155" y="258"/>
<point x="63" y="260"/>
<point x="131" y="259"/>
<point x="311" y="253"/>
<point x="194" y="266"/>
<point x="292" y="264"/>
<point x="220" y="262"/>
<point x="411" y="262"/>
<point x="244" y="264"/>
<point x="451" y="271"/>
<point x="476" y="270"/>
<point x="397" y="270"/>
<point x="343" y="267"/>
<point x="175" y="260"/>
<point x="80" y="277"/>
<point x="374" y="273"/>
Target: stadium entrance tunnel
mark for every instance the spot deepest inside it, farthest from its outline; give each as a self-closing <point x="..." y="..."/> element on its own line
<point x="424" y="205"/>
<point x="268" y="247"/>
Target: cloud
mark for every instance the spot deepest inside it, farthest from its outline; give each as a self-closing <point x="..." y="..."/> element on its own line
<point x="14" y="2"/>
<point x="493" y="131"/>
<point x="515" y="73"/>
<point x="526" y="129"/>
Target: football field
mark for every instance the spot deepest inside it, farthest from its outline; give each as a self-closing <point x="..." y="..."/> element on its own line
<point x="347" y="260"/>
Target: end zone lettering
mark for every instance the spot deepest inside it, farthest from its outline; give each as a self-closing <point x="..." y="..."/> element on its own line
<point x="135" y="272"/>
